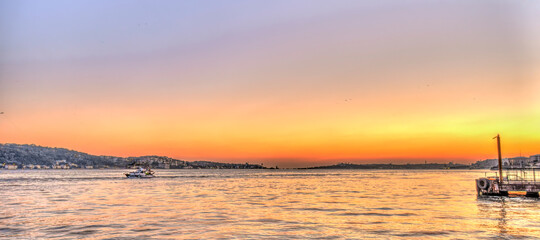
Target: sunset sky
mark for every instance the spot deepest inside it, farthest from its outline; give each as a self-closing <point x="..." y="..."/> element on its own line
<point x="288" y="83"/>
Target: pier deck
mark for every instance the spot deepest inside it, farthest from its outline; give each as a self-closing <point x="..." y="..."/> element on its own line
<point x="517" y="179"/>
<point x="491" y="186"/>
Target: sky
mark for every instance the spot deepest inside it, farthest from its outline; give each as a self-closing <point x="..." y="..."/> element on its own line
<point x="288" y="83"/>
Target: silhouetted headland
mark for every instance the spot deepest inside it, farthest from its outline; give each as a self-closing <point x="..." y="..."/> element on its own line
<point x="16" y="156"/>
<point x="394" y="166"/>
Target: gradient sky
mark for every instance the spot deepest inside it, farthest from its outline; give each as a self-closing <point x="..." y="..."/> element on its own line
<point x="292" y="83"/>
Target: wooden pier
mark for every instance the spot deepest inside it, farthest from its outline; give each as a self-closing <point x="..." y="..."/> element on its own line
<point x="519" y="181"/>
<point x="490" y="186"/>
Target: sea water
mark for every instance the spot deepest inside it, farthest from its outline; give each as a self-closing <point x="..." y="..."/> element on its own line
<point x="259" y="204"/>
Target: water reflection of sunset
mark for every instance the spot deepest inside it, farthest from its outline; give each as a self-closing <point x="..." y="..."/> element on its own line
<point x="288" y="204"/>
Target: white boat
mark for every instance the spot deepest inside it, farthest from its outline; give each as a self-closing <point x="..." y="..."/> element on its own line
<point x="140" y="173"/>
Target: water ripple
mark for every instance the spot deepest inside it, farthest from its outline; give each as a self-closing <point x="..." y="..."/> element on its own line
<point x="258" y="204"/>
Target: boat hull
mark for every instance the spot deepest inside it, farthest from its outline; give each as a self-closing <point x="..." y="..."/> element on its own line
<point x="134" y="175"/>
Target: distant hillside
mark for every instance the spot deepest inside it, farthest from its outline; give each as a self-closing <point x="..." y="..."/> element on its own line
<point x="33" y="156"/>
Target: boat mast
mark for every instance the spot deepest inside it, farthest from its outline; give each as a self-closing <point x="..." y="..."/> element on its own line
<point x="500" y="160"/>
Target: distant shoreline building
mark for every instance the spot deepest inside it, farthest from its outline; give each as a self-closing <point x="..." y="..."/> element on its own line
<point x="11" y="166"/>
<point x="514" y="162"/>
<point x="484" y="164"/>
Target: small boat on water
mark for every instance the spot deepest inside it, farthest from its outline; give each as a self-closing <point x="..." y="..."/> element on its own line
<point x="140" y="173"/>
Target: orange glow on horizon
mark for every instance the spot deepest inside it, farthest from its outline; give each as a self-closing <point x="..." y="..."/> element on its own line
<point x="354" y="81"/>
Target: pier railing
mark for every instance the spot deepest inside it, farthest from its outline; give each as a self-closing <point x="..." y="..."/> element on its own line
<point x="522" y="175"/>
<point x="519" y="175"/>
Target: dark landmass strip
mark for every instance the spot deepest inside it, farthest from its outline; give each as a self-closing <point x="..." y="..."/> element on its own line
<point x="394" y="166"/>
<point x="30" y="156"/>
<point x="33" y="156"/>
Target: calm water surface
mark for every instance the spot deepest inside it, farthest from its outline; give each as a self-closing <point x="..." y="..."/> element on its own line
<point x="259" y="204"/>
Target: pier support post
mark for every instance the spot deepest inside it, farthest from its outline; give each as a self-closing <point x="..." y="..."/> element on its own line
<point x="532" y="194"/>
